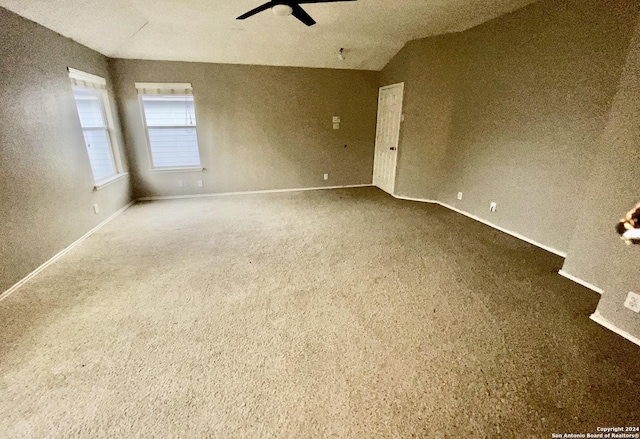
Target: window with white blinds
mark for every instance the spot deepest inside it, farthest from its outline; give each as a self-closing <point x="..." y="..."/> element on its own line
<point x="89" y="92"/>
<point x="170" y="122"/>
<point x="95" y="131"/>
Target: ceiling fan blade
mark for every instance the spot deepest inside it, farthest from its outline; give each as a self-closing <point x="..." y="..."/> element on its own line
<point x="324" y="1"/>
<point x="301" y="15"/>
<point x="255" y="11"/>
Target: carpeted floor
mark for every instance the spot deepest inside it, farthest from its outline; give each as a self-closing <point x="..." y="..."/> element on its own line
<point x="340" y="313"/>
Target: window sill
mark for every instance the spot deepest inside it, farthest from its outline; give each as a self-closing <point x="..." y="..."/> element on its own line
<point x="107" y="181"/>
<point x="189" y="169"/>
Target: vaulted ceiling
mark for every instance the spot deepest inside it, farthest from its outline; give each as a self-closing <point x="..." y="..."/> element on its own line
<point x="370" y="31"/>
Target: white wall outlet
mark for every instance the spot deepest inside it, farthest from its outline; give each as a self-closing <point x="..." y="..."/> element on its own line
<point x="180" y="183"/>
<point x="96" y="209"/>
<point x="492" y="207"/>
<point x="336" y="126"/>
<point x="336" y="119"/>
<point x="459" y="195"/>
<point x="199" y="183"/>
<point x="633" y="302"/>
<point x="326" y="176"/>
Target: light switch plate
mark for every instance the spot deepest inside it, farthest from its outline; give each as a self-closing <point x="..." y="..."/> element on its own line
<point x="336" y="119"/>
<point x="459" y="195"/>
<point x="492" y="207"/>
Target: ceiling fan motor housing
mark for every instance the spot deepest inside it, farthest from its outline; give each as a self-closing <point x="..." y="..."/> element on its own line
<point x="282" y="9"/>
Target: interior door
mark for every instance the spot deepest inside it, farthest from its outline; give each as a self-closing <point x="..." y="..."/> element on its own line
<point x="387" y="135"/>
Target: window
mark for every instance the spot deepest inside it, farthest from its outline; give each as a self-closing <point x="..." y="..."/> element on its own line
<point x="170" y="121"/>
<point x="90" y="94"/>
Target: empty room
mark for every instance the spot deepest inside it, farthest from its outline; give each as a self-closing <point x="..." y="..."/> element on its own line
<point x="320" y="218"/>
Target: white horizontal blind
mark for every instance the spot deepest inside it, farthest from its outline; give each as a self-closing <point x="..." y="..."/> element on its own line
<point x="164" y="88"/>
<point x="95" y="130"/>
<point x="86" y="80"/>
<point x="171" y="127"/>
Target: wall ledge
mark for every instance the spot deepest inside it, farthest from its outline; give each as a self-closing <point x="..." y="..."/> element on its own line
<point x="597" y="317"/>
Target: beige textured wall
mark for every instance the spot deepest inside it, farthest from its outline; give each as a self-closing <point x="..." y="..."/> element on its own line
<point x="259" y="127"/>
<point x="426" y="67"/>
<point x="538" y="111"/>
<point x="531" y="104"/>
<point x="46" y="185"/>
<point x="531" y="94"/>
<point x="596" y="254"/>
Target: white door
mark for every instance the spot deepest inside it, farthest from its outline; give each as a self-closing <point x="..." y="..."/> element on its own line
<point x="387" y="135"/>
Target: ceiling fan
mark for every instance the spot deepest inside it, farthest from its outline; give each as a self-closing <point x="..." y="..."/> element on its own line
<point x="284" y="8"/>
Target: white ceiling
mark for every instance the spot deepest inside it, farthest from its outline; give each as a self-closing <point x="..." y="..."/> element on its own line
<point x="371" y="31"/>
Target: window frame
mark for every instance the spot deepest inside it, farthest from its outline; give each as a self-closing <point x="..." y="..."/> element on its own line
<point x="162" y="89"/>
<point x="86" y="81"/>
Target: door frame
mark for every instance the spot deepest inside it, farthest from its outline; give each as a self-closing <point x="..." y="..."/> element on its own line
<point x="399" y="85"/>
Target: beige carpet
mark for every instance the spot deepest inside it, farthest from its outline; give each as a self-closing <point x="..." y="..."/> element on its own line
<point x="316" y="314"/>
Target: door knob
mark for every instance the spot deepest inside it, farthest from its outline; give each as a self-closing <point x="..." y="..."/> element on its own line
<point x="393" y="148"/>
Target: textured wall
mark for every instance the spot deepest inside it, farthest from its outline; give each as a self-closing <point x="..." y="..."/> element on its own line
<point x="596" y="254"/>
<point x="46" y="185"/>
<point x="259" y="127"/>
<point x="531" y="104"/>
<point x="426" y="68"/>
<point x="531" y="94"/>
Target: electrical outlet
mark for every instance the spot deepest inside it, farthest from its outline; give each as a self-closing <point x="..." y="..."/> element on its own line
<point x="633" y="302"/>
<point x="180" y="183"/>
<point x="459" y="195"/>
<point x="336" y="119"/>
<point x="96" y="209"/>
<point x="199" y="183"/>
<point x="336" y="126"/>
<point x="326" y="176"/>
<point x="492" y="207"/>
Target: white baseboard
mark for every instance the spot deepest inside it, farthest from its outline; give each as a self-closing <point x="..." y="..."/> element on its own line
<point x="514" y="234"/>
<point x="597" y="317"/>
<point x="31" y="275"/>
<point x="60" y="254"/>
<point x="508" y="232"/>
<point x="483" y="221"/>
<point x="420" y="200"/>
<point x="517" y="235"/>
<point x="268" y="191"/>
<point x="581" y="282"/>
